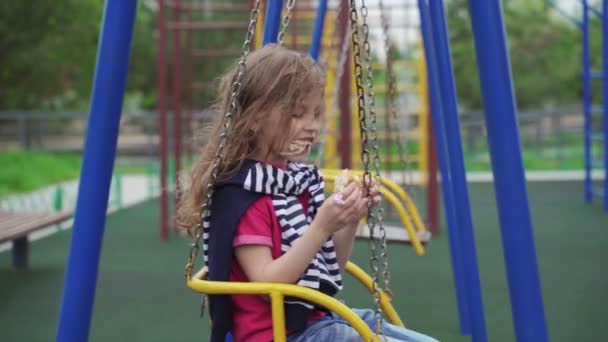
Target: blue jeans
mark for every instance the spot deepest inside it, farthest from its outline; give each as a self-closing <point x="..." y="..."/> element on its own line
<point x="333" y="328"/>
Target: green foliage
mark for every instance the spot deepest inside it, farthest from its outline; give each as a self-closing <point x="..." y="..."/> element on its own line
<point x="45" y="51"/>
<point x="544" y="50"/>
<point x="48" y="49"/>
<point x="28" y="171"/>
<point x="31" y="170"/>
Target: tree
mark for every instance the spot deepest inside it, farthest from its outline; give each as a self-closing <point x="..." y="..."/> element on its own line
<point x="544" y="52"/>
<point x="48" y="49"/>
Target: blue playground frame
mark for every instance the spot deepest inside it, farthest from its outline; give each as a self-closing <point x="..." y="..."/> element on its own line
<point x="591" y="111"/>
<point x="501" y="119"/>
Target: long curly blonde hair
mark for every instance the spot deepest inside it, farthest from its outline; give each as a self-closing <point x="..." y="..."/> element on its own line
<point x="275" y="84"/>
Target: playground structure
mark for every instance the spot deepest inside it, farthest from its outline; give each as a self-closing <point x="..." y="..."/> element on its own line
<point x="500" y="110"/>
<point x="340" y="140"/>
<point x="596" y="116"/>
<point x="595" y="129"/>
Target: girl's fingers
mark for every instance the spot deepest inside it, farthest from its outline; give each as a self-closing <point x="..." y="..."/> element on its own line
<point x="349" y="189"/>
<point x="361" y="208"/>
<point x="353" y="197"/>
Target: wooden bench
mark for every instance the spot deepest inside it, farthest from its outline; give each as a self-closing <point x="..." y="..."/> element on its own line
<point x="16" y="227"/>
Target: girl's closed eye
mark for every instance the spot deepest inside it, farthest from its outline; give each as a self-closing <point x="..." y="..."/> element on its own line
<point x="317" y="113"/>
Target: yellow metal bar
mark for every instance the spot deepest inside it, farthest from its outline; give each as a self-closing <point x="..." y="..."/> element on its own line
<point x="403" y="214"/>
<point x="199" y="284"/>
<point x="385" y="300"/>
<point x="259" y="26"/>
<point x="329" y="175"/>
<point x="411" y="208"/>
<point x="278" y="316"/>
<point x="332" y="117"/>
<point x="423" y="118"/>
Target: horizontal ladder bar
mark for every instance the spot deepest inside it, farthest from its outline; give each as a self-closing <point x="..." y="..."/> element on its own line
<point x="226" y="25"/>
<point x="597" y="191"/>
<point x="597" y="164"/>
<point x="597" y="137"/>
<point x="209" y="7"/>
<point x="401" y="88"/>
<point x="202" y="85"/>
<point x="595" y="11"/>
<point x="597" y="109"/>
<point x="597" y="74"/>
<point x="215" y="53"/>
<point x="396" y="65"/>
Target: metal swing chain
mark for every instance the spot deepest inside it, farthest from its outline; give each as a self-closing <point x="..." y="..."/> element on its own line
<point x="392" y="95"/>
<point x="285" y="22"/>
<point x="235" y="91"/>
<point x="376" y="149"/>
<point x="402" y="146"/>
<point x="365" y="158"/>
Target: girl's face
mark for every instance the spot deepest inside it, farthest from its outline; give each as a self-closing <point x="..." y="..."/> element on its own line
<point x="297" y="139"/>
<point x="305" y="126"/>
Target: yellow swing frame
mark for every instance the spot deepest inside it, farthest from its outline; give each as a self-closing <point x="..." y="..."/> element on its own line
<point x="406" y="209"/>
<point x="277" y="293"/>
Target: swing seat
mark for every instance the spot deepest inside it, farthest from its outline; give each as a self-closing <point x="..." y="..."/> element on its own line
<point x="415" y="231"/>
<point x="277" y="292"/>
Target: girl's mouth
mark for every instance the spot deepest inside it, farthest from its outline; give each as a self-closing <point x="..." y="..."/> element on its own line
<point x="299" y="146"/>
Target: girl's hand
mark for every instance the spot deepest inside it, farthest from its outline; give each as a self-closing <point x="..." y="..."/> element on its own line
<point x="342" y="209"/>
<point x="373" y="196"/>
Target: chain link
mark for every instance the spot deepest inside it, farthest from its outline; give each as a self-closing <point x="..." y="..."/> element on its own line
<point x="285" y="22"/>
<point x="235" y="91"/>
<point x="377" y="218"/>
<point x="373" y="218"/>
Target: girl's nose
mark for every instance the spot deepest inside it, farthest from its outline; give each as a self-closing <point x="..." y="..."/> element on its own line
<point x="315" y="125"/>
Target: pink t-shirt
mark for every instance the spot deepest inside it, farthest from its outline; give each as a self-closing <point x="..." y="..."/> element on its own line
<point x="252" y="315"/>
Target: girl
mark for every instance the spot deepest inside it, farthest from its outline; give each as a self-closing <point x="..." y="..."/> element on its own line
<point x="269" y="218"/>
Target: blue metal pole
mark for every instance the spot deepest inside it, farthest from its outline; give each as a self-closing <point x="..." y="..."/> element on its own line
<point x="272" y="21"/>
<point x="458" y="271"/>
<point x="586" y="78"/>
<point x="459" y="182"/>
<point x="100" y="148"/>
<point x="509" y="177"/>
<point x="317" y="33"/>
<point x="605" y="88"/>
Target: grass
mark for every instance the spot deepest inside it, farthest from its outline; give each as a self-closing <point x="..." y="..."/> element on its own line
<point x="26" y="171"/>
<point x="31" y="170"/>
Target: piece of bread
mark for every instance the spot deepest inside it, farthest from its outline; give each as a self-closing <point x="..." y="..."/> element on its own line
<point x="345" y="178"/>
<point x="297" y="147"/>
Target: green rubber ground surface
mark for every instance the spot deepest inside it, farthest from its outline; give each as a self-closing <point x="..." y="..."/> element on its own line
<point x="141" y="294"/>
